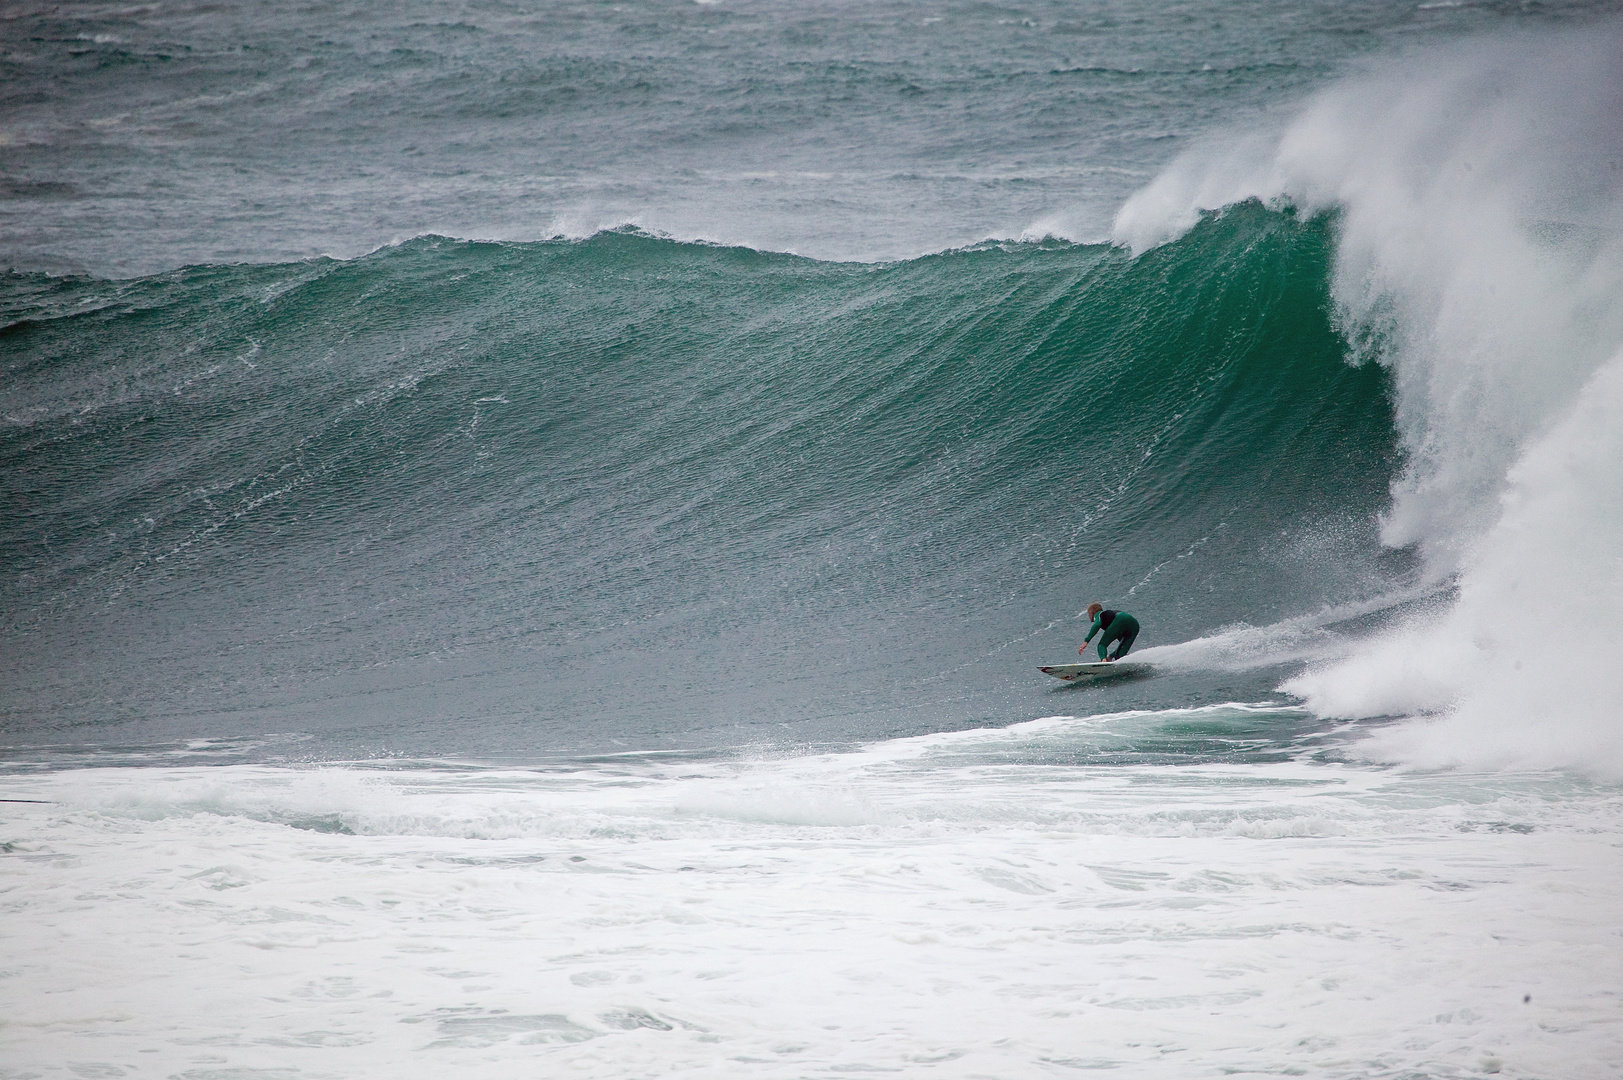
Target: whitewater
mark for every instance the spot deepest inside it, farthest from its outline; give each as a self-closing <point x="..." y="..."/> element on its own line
<point x="959" y="905"/>
<point x="528" y="535"/>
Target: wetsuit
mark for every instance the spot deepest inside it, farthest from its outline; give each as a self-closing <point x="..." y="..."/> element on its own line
<point x="1116" y="626"/>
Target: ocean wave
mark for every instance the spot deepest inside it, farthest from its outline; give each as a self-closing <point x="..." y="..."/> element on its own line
<point x="328" y="494"/>
<point x="1478" y="259"/>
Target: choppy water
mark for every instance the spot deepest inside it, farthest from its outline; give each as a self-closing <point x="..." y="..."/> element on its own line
<point x="527" y="537"/>
<point x="137" y="138"/>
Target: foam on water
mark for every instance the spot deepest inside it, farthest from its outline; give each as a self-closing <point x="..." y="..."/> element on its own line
<point x="1312" y="637"/>
<point x="945" y="905"/>
<point x="1524" y="666"/>
<point x="1479" y="257"/>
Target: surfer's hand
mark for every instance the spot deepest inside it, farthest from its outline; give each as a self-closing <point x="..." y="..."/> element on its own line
<point x="1082" y="650"/>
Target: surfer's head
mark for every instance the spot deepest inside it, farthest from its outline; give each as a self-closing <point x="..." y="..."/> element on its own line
<point x="1094" y="608"/>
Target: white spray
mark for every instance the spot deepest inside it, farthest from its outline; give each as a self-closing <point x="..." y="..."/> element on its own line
<point x="1479" y="194"/>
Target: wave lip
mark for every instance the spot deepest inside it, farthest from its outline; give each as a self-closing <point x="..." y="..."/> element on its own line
<point x="1480" y="258"/>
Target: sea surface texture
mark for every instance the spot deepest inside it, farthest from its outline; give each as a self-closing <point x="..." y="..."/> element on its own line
<point x="527" y="533"/>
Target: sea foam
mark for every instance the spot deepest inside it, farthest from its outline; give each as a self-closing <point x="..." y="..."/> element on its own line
<point x="954" y="919"/>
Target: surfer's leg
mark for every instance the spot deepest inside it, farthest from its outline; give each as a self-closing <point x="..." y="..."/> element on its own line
<point x="1113" y="634"/>
<point x="1126" y="634"/>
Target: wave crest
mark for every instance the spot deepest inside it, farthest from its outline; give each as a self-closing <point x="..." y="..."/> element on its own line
<point x="1479" y="258"/>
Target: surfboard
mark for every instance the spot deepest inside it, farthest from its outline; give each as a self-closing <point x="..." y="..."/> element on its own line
<point x="1097" y="669"/>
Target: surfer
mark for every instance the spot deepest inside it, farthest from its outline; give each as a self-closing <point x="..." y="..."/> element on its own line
<point x="1117" y="626"/>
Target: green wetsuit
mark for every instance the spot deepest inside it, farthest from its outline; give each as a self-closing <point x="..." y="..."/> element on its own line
<point x="1117" y="626"/>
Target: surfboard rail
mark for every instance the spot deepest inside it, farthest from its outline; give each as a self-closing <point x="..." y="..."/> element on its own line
<point x="1095" y="670"/>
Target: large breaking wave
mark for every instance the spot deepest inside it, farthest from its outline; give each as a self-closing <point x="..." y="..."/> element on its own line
<point x="1479" y="257"/>
<point x="1346" y="396"/>
<point x="628" y="491"/>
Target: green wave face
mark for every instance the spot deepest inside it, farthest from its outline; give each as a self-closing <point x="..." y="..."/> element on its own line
<point x="512" y="498"/>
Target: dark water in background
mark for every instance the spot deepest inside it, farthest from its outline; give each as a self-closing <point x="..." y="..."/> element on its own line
<point x="498" y="498"/>
<point x="136" y="139"/>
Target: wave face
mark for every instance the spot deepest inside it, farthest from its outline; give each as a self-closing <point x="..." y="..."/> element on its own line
<point x="1480" y="258"/>
<point x="510" y="498"/>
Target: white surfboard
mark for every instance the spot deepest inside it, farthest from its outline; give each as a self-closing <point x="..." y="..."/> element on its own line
<point x="1097" y="669"/>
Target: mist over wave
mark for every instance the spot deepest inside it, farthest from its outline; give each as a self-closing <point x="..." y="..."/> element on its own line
<point x="1479" y="257"/>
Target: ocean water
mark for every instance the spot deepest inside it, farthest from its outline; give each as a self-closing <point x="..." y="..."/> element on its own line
<point x="528" y="533"/>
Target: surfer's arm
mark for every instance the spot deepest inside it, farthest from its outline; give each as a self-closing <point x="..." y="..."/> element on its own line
<point x="1094" y="629"/>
